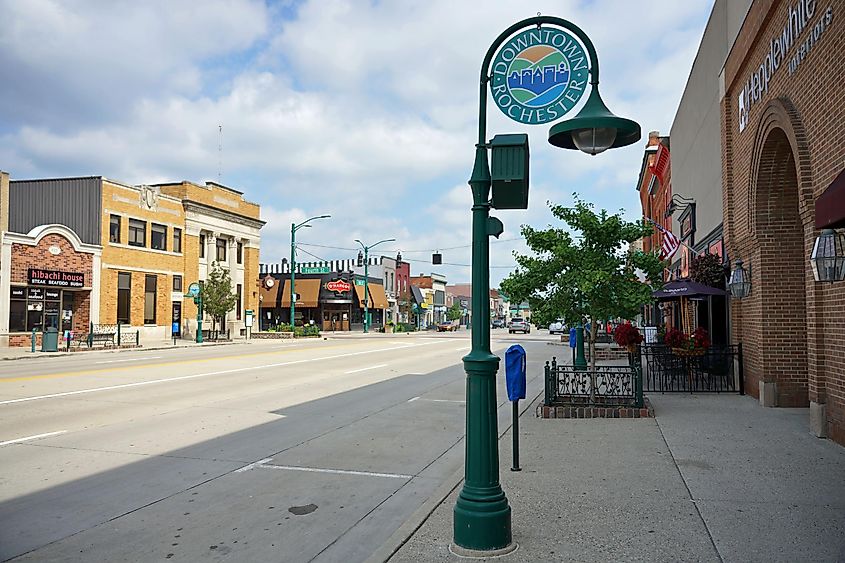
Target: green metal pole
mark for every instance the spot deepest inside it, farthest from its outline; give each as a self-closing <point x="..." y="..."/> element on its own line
<point x="292" y="275"/>
<point x="366" y="288"/>
<point x="199" y="319"/>
<point x="580" y="358"/>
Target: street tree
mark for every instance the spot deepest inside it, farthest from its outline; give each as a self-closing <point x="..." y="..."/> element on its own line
<point x="586" y="272"/>
<point x="217" y="295"/>
<point x="454" y="312"/>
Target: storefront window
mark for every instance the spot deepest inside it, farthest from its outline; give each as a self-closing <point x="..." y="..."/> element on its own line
<point x="150" y="300"/>
<point x="17" y="310"/>
<point x="124" y="291"/>
<point x="238" y="292"/>
<point x="202" y="246"/>
<point x="240" y="253"/>
<point x="137" y="233"/>
<point x="114" y="228"/>
<point x="158" y="237"/>
<point x="177" y="240"/>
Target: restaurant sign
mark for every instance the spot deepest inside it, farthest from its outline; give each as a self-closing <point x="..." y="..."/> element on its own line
<point x="338" y="286"/>
<point x="56" y="278"/>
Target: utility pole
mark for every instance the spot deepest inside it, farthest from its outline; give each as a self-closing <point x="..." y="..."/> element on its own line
<point x="293" y="228"/>
<point x="367" y="279"/>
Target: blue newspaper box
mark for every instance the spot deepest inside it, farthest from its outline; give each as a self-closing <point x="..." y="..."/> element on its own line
<point x="572" y="337"/>
<point x="515" y="372"/>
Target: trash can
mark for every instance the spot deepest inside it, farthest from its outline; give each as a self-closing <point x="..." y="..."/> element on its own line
<point x="50" y="340"/>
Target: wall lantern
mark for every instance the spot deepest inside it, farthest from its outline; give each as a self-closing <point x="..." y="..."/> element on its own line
<point x="740" y="281"/>
<point x="594" y="129"/>
<point x="828" y="257"/>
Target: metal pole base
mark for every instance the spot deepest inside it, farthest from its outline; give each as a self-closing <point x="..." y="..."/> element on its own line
<point x="482" y="523"/>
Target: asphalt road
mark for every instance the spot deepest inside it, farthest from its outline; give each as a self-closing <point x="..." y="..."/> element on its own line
<point x="311" y="450"/>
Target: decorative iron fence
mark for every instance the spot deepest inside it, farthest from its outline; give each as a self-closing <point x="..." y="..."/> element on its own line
<point x="614" y="385"/>
<point x="717" y="370"/>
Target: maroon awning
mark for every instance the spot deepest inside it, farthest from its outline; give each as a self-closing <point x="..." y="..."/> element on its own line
<point x="830" y="206"/>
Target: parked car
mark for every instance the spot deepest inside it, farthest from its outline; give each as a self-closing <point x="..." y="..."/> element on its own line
<point x="519" y="325"/>
<point x="497" y="323"/>
<point x="558" y="327"/>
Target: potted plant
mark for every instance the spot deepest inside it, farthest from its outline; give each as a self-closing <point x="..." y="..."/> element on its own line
<point x="627" y="336"/>
<point x="683" y="344"/>
<point x="388" y="327"/>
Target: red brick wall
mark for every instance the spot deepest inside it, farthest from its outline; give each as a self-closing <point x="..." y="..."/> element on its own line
<point x="25" y="257"/>
<point x="792" y="328"/>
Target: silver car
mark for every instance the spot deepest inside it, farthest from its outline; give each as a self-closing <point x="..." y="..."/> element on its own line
<point x="558" y="327"/>
<point x="519" y="325"/>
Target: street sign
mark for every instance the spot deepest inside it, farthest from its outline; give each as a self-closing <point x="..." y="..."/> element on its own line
<point x="317" y="270"/>
<point x="539" y="75"/>
<point x="360" y="282"/>
<point x="194" y="289"/>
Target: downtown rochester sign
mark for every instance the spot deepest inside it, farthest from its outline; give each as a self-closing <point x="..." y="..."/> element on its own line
<point x="797" y="21"/>
<point x="56" y="278"/>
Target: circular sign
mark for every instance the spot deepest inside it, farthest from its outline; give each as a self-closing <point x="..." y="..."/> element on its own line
<point x="539" y="75"/>
<point x="194" y="289"/>
<point x="269" y="282"/>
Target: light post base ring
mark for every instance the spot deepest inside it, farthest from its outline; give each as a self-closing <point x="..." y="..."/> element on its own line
<point x="464" y="553"/>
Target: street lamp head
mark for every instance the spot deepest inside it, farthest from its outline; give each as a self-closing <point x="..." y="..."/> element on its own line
<point x="595" y="129"/>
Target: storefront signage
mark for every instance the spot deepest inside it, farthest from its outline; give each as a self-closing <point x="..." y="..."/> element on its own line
<point x="34" y="293"/>
<point x="539" y="75"/>
<point x="317" y="270"/>
<point x="56" y="278"/>
<point x="338" y="286"/>
<point x="360" y="282"/>
<point x="18" y="293"/>
<point x="52" y="294"/>
<point x="797" y="19"/>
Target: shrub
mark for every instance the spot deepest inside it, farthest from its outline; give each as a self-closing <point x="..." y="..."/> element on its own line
<point x="627" y="335"/>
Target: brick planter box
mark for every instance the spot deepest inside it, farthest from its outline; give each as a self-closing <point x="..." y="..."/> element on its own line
<point x="271" y="335"/>
<point x="581" y="411"/>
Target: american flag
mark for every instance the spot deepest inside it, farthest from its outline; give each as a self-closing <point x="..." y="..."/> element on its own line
<point x="670" y="242"/>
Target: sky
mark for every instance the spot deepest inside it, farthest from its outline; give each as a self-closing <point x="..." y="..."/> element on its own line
<point x="364" y="110"/>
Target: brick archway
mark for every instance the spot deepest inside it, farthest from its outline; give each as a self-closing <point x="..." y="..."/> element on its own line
<point x="777" y="208"/>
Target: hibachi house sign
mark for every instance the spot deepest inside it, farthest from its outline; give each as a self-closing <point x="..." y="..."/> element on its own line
<point x="56" y="278"/>
<point x="539" y="75"/>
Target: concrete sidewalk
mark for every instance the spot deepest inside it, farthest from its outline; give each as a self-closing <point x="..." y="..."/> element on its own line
<point x="22" y="353"/>
<point x="712" y="478"/>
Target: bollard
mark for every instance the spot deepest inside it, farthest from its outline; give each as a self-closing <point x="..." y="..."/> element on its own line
<point x="137" y="338"/>
<point x="33" y="340"/>
<point x="516" y="466"/>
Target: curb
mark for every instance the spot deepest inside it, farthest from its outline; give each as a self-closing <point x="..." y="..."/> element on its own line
<point x="410" y="527"/>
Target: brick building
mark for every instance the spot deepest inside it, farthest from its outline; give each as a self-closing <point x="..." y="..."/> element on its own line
<point x="93" y="250"/>
<point x="783" y="145"/>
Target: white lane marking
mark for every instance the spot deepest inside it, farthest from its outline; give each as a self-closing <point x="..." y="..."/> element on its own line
<point x="32" y="437"/>
<point x="185" y="377"/>
<point x="364" y="369"/>
<point x="443" y="401"/>
<point x="253" y="465"/>
<point x="413" y="399"/>
<point x="335" y="471"/>
<point x="462" y="349"/>
<point x="129" y="360"/>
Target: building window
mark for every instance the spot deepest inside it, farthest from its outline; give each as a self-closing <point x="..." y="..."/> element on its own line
<point x="221" y="249"/>
<point x="238" y="292"/>
<point x="202" y="246"/>
<point x="158" y="237"/>
<point x="177" y="283"/>
<point x="137" y="233"/>
<point x="240" y="253"/>
<point x="114" y="228"/>
<point x="150" y="300"/>
<point x="17" y="311"/>
<point x="177" y="240"/>
<point x="124" y="291"/>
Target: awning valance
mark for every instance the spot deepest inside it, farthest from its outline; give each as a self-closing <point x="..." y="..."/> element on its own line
<point x="686" y="288"/>
<point x="308" y="290"/>
<point x="830" y="206"/>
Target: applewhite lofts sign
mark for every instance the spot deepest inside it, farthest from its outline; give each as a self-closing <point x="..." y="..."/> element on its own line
<point x="56" y="278"/>
<point x="798" y="19"/>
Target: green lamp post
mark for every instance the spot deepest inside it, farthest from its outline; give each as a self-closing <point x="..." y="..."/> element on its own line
<point x="293" y="228"/>
<point x="367" y="279"/>
<point x="537" y="76"/>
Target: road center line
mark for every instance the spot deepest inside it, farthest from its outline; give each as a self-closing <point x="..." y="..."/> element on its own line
<point x="128" y="360"/>
<point x="443" y="400"/>
<point x="18" y="440"/>
<point x="462" y="349"/>
<point x="364" y="369"/>
<point x="207" y="374"/>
